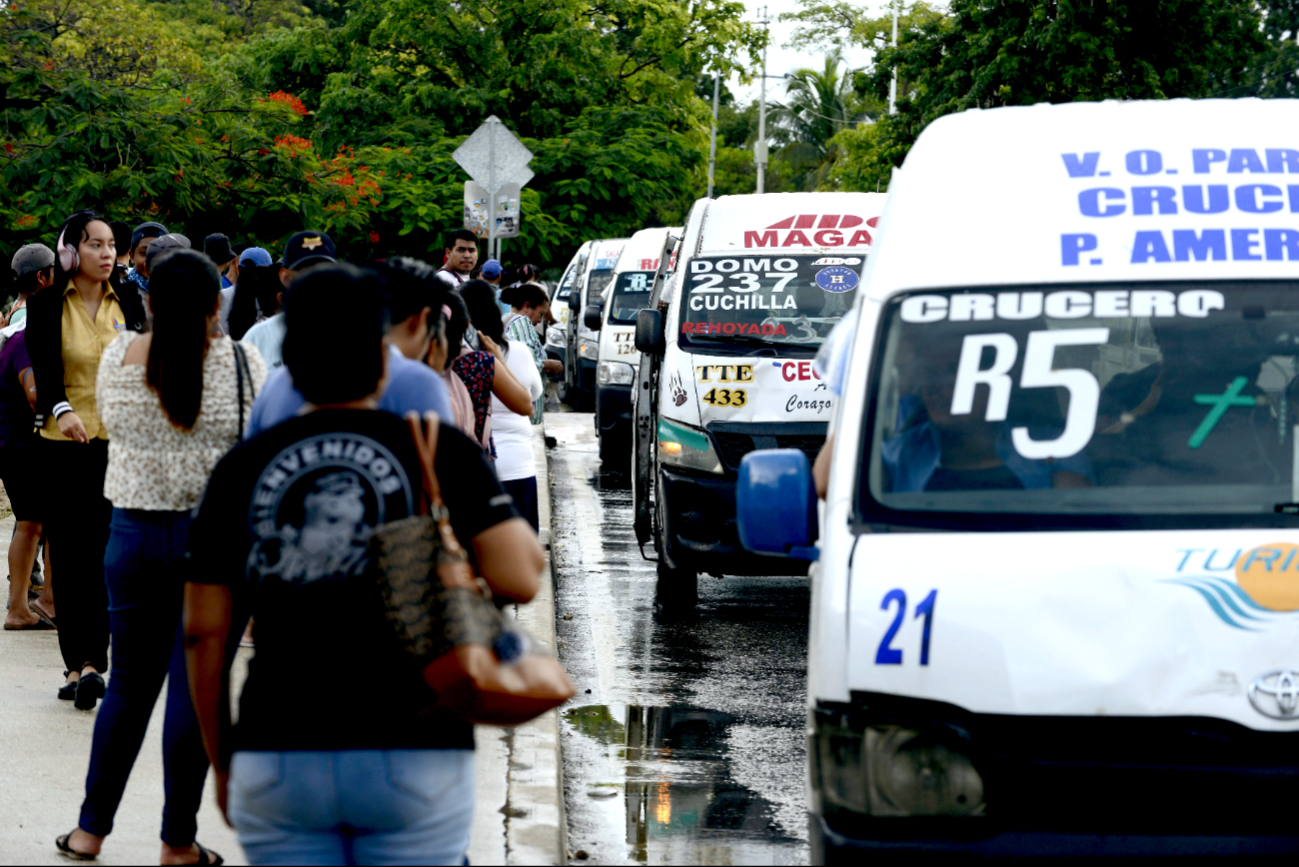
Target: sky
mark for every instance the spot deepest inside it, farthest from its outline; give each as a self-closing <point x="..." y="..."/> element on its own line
<point x="780" y="59"/>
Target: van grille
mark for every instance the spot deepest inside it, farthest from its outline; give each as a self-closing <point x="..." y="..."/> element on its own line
<point x="734" y="441"/>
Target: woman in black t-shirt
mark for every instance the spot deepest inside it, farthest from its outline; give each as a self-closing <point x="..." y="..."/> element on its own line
<point x="351" y="764"/>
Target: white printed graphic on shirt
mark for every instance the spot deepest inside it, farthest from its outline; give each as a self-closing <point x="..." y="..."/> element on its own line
<point x="316" y="504"/>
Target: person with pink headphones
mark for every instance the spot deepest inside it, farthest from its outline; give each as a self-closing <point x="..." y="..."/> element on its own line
<point x="70" y="324"/>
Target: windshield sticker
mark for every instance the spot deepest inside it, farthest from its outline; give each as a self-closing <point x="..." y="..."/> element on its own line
<point x="1149" y="198"/>
<point x="1267" y="582"/>
<point x="830" y="260"/>
<point x="1220" y="403"/>
<point x="837" y="279"/>
<point x="766" y="329"/>
<point x="1038" y="372"/>
<point x="1064" y="304"/>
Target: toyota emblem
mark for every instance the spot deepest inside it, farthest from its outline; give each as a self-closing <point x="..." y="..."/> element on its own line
<point x="1276" y="694"/>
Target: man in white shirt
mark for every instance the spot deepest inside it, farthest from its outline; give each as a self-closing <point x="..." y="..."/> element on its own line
<point x="462" y="256"/>
<point x="304" y="250"/>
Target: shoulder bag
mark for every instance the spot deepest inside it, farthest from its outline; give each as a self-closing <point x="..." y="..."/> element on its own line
<point x="480" y="663"/>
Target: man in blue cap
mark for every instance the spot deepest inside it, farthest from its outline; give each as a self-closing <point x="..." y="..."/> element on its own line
<point x="491" y="273"/>
<point x="252" y="256"/>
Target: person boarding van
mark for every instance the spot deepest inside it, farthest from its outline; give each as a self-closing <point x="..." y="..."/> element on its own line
<point x="1055" y="608"/>
<point x="759" y="282"/>
<point x="628" y="293"/>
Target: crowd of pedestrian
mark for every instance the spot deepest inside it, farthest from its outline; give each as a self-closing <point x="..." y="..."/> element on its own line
<point x="199" y="454"/>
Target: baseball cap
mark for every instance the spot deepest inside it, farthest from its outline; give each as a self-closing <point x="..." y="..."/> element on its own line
<point x="147" y="230"/>
<point x="162" y="245"/>
<point x="306" y="249"/>
<point x="32" y="258"/>
<point x="217" y="248"/>
<point x="491" y="269"/>
<point x="256" y="255"/>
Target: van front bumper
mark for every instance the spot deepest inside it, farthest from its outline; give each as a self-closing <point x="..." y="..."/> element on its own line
<point x="613" y="408"/>
<point x="831" y="847"/>
<point x="700" y="530"/>
<point x="1051" y="786"/>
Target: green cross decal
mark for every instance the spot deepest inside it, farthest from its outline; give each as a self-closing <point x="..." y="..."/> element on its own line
<point x="1220" y="403"/>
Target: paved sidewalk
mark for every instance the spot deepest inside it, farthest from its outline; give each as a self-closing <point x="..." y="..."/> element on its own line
<point x="519" y="817"/>
<point x="45" y="753"/>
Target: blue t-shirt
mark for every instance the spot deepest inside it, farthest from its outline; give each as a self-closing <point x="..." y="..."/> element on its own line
<point x="412" y="385"/>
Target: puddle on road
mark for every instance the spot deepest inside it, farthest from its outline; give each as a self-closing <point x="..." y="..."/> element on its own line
<point x="679" y="800"/>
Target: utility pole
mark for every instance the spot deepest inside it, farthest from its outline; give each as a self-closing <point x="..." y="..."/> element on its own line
<point x="760" y="146"/>
<point x="712" y="146"/>
<point x="893" y="85"/>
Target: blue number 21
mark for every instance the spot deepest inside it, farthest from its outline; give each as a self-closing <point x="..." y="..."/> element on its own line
<point x="888" y="655"/>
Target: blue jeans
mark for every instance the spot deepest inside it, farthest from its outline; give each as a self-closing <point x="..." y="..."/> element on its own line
<point x="353" y="806"/>
<point x="144" y="570"/>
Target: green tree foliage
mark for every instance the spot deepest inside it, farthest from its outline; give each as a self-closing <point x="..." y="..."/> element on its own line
<point x="988" y="53"/>
<point x="818" y="104"/>
<point x="259" y="117"/>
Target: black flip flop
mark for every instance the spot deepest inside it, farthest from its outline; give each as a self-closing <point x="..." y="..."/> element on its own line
<point x="207" y="857"/>
<point x="39" y="624"/>
<point x="39" y="610"/>
<point x="61" y="843"/>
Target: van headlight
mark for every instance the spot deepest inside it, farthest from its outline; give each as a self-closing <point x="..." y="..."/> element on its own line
<point x="615" y="373"/>
<point x="555" y="336"/>
<point x="893" y="771"/>
<point x="681" y="445"/>
<point x="589" y="347"/>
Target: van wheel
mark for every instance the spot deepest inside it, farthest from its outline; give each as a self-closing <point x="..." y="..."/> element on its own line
<point x="615" y="451"/>
<point x="677" y="591"/>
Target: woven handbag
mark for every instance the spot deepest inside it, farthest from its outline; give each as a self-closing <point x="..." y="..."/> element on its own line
<point x="481" y="664"/>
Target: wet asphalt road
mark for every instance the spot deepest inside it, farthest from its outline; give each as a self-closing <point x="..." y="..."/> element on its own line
<point x="685" y="743"/>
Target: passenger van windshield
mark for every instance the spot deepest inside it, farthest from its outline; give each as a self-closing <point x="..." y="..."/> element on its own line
<point x="596" y="282"/>
<point x="781" y="300"/>
<point x="1131" y="399"/>
<point x="631" y="294"/>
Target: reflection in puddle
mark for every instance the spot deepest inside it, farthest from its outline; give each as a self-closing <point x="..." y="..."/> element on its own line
<point x="680" y="800"/>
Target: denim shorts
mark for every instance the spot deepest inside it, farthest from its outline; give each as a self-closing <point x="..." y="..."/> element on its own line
<point x="353" y="806"/>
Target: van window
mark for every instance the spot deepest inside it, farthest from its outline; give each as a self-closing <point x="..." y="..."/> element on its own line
<point x="596" y="283"/>
<point x="782" y="300"/>
<point x="631" y="294"/>
<point x="1132" y="399"/>
<point x="566" y="282"/>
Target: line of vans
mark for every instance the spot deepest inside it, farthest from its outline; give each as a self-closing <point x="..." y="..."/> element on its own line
<point x="591" y="272"/>
<point x="727" y="342"/>
<point x="1055" y="591"/>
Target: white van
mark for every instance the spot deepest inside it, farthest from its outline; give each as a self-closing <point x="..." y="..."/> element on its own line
<point x="759" y="282"/>
<point x="614" y="316"/>
<point x="1056" y="603"/>
<point x="583" y="342"/>
<point x="557" y="334"/>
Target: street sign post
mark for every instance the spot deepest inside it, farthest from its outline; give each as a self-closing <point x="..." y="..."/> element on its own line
<point x="498" y="163"/>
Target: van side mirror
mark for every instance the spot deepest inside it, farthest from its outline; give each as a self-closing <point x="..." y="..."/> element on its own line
<point x="574" y="299"/>
<point x="649" y="332"/>
<point x="591" y="317"/>
<point x="775" y="504"/>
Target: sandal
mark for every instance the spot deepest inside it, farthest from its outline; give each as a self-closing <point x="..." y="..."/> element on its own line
<point x="39" y="624"/>
<point x="207" y="857"/>
<point x="36" y="606"/>
<point x="61" y="843"/>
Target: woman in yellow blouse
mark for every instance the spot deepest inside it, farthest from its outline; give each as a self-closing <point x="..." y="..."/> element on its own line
<point x="71" y="324"/>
